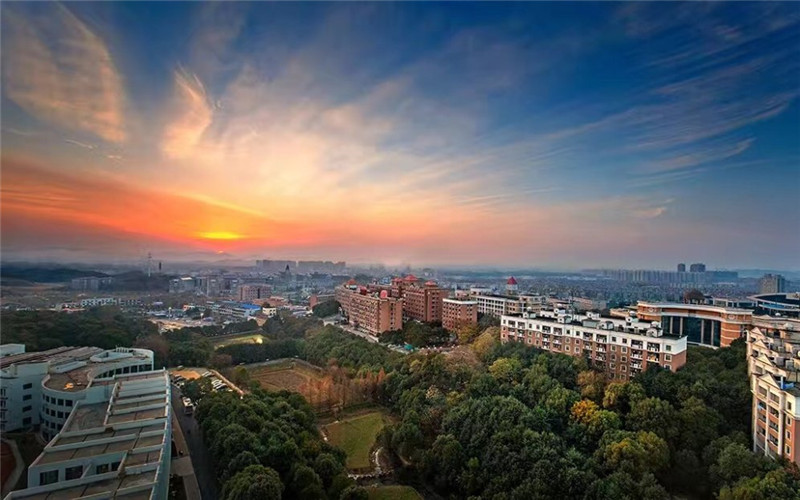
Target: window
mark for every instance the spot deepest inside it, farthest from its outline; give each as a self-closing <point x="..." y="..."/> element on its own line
<point x="27" y="397"/>
<point x="667" y="357"/>
<point x="74" y="472"/>
<point x="60" y="402"/>
<point x="624" y="341"/>
<point x="61" y="414"/>
<point x="26" y="408"/>
<point x="26" y="386"/>
<point x="101" y="469"/>
<point x="115" y="465"/>
<point x="624" y="349"/>
<point x="26" y="421"/>
<point x="789" y="405"/>
<point x="624" y="368"/>
<point x="68" y="401"/>
<point x="788" y="450"/>
<point x="668" y="348"/>
<point x="624" y="359"/>
<point x="48" y="477"/>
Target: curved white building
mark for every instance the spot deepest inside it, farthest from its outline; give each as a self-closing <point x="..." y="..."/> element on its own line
<point x="42" y="388"/>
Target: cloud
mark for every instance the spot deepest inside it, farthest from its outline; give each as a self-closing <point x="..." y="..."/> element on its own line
<point x="190" y="114"/>
<point x="80" y="144"/>
<point x="704" y="154"/>
<point x="71" y="84"/>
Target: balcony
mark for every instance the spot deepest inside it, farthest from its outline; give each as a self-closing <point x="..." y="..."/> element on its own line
<point x="637" y="344"/>
<point x="601" y="349"/>
<point x="637" y="356"/>
<point x="636" y="365"/>
<point x="652" y="359"/>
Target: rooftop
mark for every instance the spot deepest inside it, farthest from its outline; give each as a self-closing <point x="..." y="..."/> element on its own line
<point x="133" y="423"/>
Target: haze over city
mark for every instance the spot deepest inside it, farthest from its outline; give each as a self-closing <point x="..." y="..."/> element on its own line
<point x="571" y="136"/>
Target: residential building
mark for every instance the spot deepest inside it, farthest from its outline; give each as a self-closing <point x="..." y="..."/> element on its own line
<point x="116" y="444"/>
<point x="98" y="301"/>
<point x="773" y="348"/>
<point x="697" y="268"/>
<point x="681" y="268"/>
<point x="457" y="312"/>
<point x="41" y="388"/>
<point x="254" y="293"/>
<point x="621" y="348"/>
<point x="498" y="305"/>
<point x="370" y="309"/>
<point x="703" y="324"/>
<point x="183" y="284"/>
<point x="423" y="303"/>
<point x="771" y="283"/>
<point x="90" y="283"/>
<point x="318" y="298"/>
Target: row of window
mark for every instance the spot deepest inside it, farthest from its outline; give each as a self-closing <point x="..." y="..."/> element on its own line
<point x="599" y="337"/>
<point x="57" y="401"/>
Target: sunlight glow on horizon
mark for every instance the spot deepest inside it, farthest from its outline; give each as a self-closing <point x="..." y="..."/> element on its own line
<point x="220" y="235"/>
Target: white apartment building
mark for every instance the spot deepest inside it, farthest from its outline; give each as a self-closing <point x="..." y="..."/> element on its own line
<point x="622" y="348"/>
<point x="115" y="445"/>
<point x="497" y="305"/>
<point x="773" y="348"/>
<point x="42" y="388"/>
<point x="98" y="301"/>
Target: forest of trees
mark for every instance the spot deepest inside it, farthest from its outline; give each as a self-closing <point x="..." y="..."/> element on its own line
<point x="106" y="327"/>
<point x="529" y="424"/>
<point x="325" y="309"/>
<point x="266" y="446"/>
<point x="417" y="334"/>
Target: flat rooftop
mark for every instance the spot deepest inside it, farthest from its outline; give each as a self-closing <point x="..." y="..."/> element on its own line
<point x="59" y="355"/>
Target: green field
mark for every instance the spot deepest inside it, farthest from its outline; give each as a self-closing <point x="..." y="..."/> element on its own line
<point x="356" y="435"/>
<point x="393" y="493"/>
<point x="252" y="338"/>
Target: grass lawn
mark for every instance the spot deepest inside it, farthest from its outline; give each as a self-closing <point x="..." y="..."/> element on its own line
<point x="252" y="338"/>
<point x="356" y="436"/>
<point x="393" y="493"/>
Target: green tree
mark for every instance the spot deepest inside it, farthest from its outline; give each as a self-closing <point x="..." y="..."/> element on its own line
<point x="197" y="388"/>
<point x="255" y="482"/>
<point x="505" y="369"/>
<point x="354" y="493"/>
<point x="656" y="415"/>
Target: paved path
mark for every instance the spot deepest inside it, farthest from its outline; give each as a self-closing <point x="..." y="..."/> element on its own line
<point x="182" y="463"/>
<point x="19" y="467"/>
<point x="191" y="436"/>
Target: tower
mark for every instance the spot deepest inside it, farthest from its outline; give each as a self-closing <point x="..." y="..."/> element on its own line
<point x="511" y="286"/>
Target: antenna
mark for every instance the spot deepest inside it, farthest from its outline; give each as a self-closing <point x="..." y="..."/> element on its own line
<point x="149" y="263"/>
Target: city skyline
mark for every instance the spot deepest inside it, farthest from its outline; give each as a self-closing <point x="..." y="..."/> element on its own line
<point x="535" y="135"/>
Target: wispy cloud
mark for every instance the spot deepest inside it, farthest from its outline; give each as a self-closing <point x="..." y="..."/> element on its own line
<point x="80" y="144"/>
<point x="73" y="84"/>
<point x="189" y="116"/>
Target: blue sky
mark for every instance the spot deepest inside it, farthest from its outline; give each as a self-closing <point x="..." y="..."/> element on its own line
<point x="549" y="135"/>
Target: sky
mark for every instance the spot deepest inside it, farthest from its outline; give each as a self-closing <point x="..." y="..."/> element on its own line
<point x="518" y="134"/>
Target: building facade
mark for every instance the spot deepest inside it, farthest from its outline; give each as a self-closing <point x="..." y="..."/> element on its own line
<point x="374" y="311"/>
<point x="254" y="293"/>
<point x="423" y="303"/>
<point x="621" y="348"/>
<point x="773" y="350"/>
<point x="772" y="283"/>
<point x="42" y="388"/>
<point x="704" y="324"/>
<point x="116" y="444"/>
<point x="456" y="312"/>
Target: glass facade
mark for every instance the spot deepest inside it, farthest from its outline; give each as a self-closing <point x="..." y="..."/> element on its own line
<point x="699" y="331"/>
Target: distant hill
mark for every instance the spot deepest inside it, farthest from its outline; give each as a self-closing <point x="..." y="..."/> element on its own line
<point x="46" y="274"/>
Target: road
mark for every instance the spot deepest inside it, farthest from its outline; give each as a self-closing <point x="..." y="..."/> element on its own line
<point x="201" y="458"/>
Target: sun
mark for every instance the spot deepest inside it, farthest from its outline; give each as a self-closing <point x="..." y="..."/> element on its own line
<point x="220" y="235"/>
